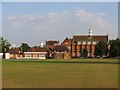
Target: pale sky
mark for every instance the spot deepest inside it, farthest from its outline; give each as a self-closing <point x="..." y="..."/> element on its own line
<point x="35" y="22"/>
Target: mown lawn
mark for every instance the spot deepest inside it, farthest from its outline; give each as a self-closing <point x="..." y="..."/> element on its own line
<point x="77" y="73"/>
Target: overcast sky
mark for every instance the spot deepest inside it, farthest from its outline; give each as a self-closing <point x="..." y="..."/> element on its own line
<point x="35" y="22"/>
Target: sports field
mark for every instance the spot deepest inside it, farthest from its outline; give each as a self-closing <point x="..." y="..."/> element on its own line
<point x="75" y="73"/>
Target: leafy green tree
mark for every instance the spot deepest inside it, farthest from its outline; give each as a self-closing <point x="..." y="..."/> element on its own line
<point x="114" y="47"/>
<point x="85" y="52"/>
<point x="24" y="47"/>
<point x="4" y="44"/>
<point x="101" y="48"/>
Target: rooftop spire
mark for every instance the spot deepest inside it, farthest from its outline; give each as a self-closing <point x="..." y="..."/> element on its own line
<point x="90" y="32"/>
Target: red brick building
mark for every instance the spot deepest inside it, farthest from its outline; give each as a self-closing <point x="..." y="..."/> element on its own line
<point x="69" y="48"/>
<point x="15" y="53"/>
<point x="61" y="52"/>
<point x="51" y="43"/>
<point x="79" y="42"/>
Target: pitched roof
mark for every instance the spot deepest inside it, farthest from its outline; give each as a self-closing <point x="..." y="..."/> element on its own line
<point x="37" y="49"/>
<point x="67" y="39"/>
<point x="60" y="48"/>
<point x="90" y="38"/>
<point x="13" y="51"/>
<point x="51" y="42"/>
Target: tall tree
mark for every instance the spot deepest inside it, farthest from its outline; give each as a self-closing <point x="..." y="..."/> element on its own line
<point x="114" y="47"/>
<point x="85" y="52"/>
<point x="4" y="44"/>
<point x="24" y="47"/>
<point x="101" y="48"/>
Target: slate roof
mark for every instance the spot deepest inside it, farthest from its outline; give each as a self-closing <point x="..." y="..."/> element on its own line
<point x="13" y="51"/>
<point x="67" y="39"/>
<point x="51" y="42"/>
<point x="77" y="38"/>
<point x="60" y="48"/>
<point x="37" y="49"/>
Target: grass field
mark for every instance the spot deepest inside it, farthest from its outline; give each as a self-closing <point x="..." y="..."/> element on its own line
<point x="77" y="73"/>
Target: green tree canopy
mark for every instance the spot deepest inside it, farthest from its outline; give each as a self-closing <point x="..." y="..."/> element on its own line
<point x="85" y="52"/>
<point x="114" y="47"/>
<point x="101" y="48"/>
<point x="4" y="44"/>
<point x="24" y="47"/>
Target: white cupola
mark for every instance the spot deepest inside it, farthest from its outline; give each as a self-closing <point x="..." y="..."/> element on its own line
<point x="41" y="44"/>
<point x="14" y="46"/>
<point x="90" y="32"/>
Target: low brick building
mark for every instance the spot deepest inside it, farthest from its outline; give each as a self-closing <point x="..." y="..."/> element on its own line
<point x="14" y="53"/>
<point x="36" y="53"/>
<point x="50" y="44"/>
<point x="61" y="52"/>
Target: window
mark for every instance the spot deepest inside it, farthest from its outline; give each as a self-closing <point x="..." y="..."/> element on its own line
<point x="84" y="43"/>
<point x="74" y="43"/>
<point x="94" y="43"/>
<point x="69" y="47"/>
<point x="28" y="56"/>
<point x="79" y="43"/>
<point x="89" y="43"/>
<point x="42" y="55"/>
<point x="35" y="55"/>
<point x="78" y="54"/>
<point x="73" y="54"/>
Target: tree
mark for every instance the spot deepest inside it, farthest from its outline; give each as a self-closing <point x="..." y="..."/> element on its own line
<point x="85" y="52"/>
<point x="24" y="47"/>
<point x="118" y="46"/>
<point x="114" y="47"/>
<point x="4" y="44"/>
<point x="101" y="48"/>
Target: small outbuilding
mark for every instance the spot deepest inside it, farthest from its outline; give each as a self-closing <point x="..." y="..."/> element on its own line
<point x="13" y="53"/>
<point x="61" y="52"/>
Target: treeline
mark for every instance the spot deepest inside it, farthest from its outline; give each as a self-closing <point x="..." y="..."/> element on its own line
<point x="5" y="46"/>
<point x="109" y="49"/>
<point x="114" y="48"/>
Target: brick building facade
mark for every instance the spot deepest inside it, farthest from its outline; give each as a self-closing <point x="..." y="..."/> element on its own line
<point x="80" y="42"/>
<point x="69" y="48"/>
<point x="61" y="52"/>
